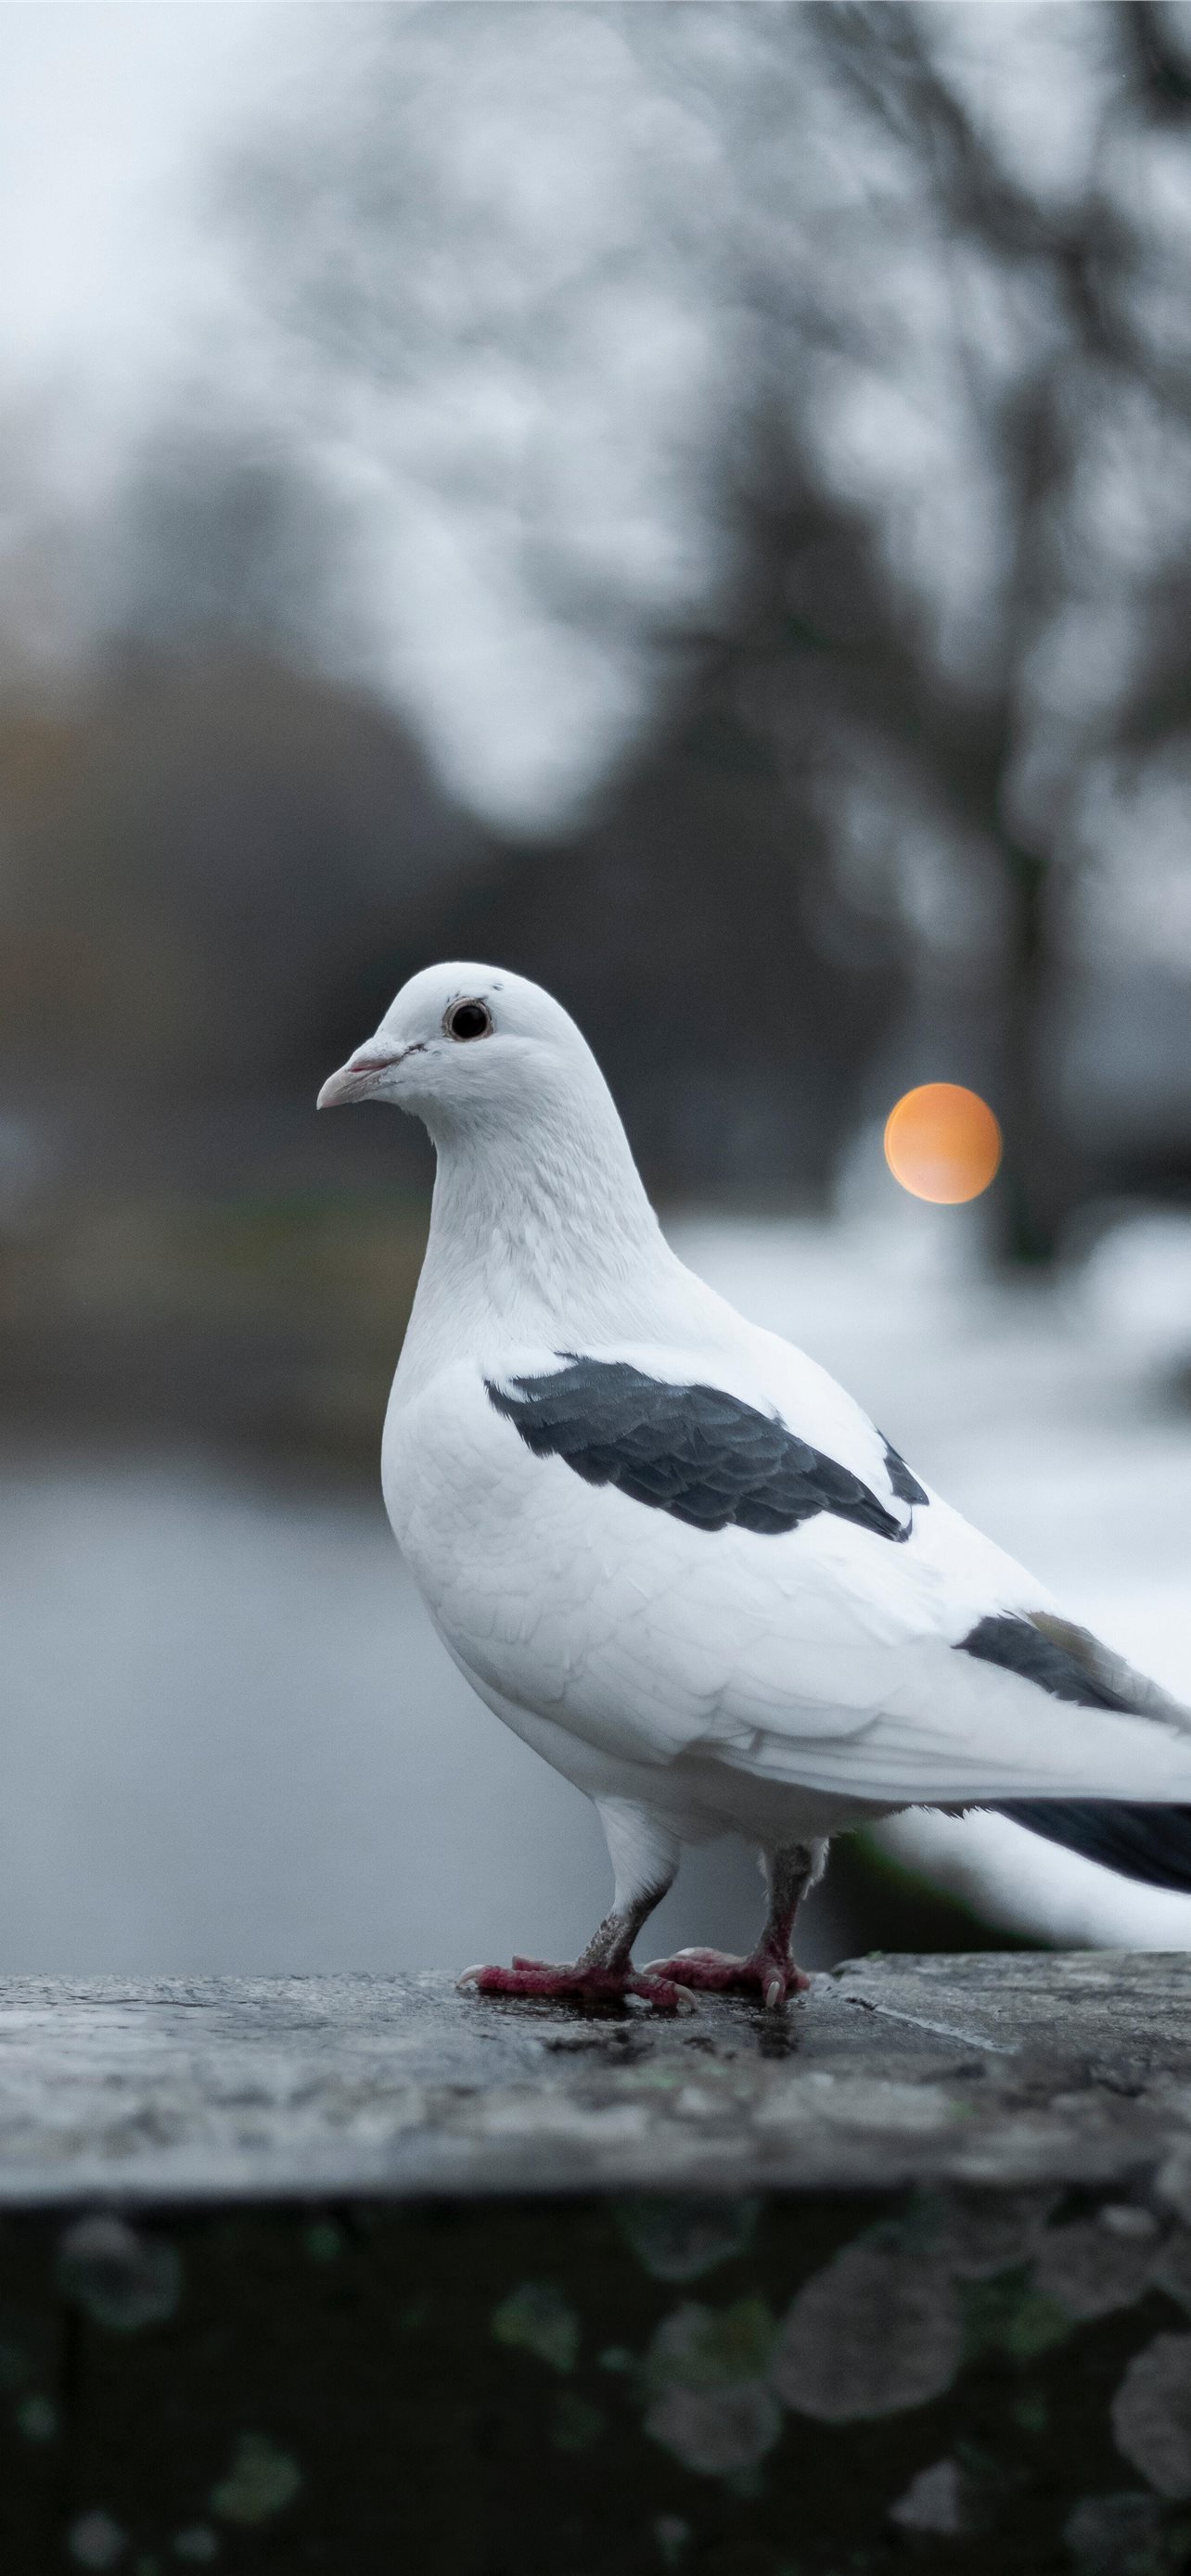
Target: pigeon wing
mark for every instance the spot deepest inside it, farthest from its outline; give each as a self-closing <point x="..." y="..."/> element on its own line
<point x="663" y="1566"/>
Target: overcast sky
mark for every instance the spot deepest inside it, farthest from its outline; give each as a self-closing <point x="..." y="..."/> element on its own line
<point x="114" y="294"/>
<point x="119" y="297"/>
<point x="105" y="113"/>
<point x="557" y="353"/>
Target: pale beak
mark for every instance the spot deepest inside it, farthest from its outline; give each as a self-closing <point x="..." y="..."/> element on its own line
<point x="358" y="1078"/>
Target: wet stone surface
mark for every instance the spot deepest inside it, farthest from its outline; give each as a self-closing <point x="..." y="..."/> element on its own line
<point x="362" y="2276"/>
<point x="1001" y="2067"/>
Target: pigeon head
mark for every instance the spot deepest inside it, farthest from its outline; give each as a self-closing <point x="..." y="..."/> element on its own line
<point x="466" y="1044"/>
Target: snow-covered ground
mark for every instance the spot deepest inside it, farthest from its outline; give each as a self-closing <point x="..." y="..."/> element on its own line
<point x="231" y="1742"/>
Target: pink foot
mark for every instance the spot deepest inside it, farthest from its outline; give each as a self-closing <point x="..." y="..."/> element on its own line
<point x="577" y="1984"/>
<point x="716" y="1972"/>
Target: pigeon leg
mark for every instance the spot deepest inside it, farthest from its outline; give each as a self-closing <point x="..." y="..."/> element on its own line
<point x="644" y="1857"/>
<point x="769" y="1972"/>
<point x="604" y="1973"/>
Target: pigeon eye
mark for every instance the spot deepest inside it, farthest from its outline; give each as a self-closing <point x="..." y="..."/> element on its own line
<point x="468" y="1020"/>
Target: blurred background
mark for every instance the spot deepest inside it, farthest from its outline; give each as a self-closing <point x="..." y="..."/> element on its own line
<point x="692" y="503"/>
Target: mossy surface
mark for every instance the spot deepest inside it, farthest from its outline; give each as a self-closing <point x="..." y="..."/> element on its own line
<point x="587" y="2388"/>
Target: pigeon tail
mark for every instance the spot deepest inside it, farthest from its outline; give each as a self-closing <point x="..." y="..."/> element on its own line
<point x="1149" y="1843"/>
<point x="1139" y="1841"/>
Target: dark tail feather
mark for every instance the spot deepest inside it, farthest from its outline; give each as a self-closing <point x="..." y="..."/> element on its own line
<point x="1152" y="1843"/>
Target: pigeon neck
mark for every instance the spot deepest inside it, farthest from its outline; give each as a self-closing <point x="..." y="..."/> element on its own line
<point x="538" y="1231"/>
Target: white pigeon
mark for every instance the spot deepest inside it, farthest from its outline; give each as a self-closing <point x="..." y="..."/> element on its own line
<point x="674" y="1556"/>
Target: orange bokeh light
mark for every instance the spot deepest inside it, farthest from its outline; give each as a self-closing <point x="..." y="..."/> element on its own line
<point x="942" y="1143"/>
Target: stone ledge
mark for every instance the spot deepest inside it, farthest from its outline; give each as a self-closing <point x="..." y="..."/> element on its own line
<point x="1004" y="2069"/>
<point x="403" y="2279"/>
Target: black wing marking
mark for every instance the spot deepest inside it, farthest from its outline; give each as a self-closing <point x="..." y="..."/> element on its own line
<point x="1020" y="1647"/>
<point x="691" y="1450"/>
<point x="904" y="1485"/>
<point x="1143" y="1841"/>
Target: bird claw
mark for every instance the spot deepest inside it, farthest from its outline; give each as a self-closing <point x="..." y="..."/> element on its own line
<point x="541" y="1980"/>
<point x="717" y="1972"/>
